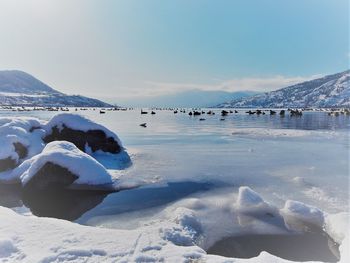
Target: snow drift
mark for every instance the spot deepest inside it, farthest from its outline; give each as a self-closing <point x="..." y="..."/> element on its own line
<point x="181" y="234"/>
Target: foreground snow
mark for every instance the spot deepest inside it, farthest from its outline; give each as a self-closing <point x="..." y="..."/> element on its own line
<point x="174" y="237"/>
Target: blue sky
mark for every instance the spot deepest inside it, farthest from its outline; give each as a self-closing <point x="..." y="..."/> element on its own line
<point x="122" y="48"/>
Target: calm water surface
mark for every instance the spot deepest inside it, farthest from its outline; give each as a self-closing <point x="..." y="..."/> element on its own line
<point x="203" y="156"/>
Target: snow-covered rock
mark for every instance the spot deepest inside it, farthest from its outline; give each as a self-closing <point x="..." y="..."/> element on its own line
<point x="23" y="153"/>
<point x="329" y="91"/>
<point x="19" y="139"/>
<point x="62" y="164"/>
<point x="84" y="133"/>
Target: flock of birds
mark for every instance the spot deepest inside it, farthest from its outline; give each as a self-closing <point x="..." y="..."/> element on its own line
<point x="191" y="112"/>
<point x="223" y="113"/>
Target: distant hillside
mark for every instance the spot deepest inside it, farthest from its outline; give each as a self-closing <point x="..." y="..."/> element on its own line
<point x="190" y="98"/>
<point x="18" y="88"/>
<point x="329" y="91"/>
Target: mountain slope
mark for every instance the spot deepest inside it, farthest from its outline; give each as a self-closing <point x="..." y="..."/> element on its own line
<point x="21" y="82"/>
<point x="18" y="88"/>
<point x="329" y="91"/>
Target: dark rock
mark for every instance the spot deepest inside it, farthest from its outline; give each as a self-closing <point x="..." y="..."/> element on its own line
<point x="50" y="177"/>
<point x="34" y="128"/>
<point x="21" y="150"/>
<point x="95" y="139"/>
<point x="7" y="164"/>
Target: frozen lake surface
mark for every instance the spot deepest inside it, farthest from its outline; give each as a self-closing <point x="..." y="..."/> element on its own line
<point x="178" y="157"/>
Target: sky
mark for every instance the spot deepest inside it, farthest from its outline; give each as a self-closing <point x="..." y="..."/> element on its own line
<point x="126" y="48"/>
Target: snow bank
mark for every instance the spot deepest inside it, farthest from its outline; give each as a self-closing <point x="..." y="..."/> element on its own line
<point x="338" y="227"/>
<point x="51" y="240"/>
<point x="67" y="155"/>
<point x="178" y="236"/>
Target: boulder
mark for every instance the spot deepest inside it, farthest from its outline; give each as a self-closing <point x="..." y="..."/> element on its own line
<point x="61" y="165"/>
<point x="21" y="150"/>
<point x="95" y="139"/>
<point x="50" y="177"/>
<point x="7" y="164"/>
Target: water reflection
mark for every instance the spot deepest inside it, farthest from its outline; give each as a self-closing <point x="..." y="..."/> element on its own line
<point x="73" y="204"/>
<point x="310" y="246"/>
<point x="144" y="198"/>
<point x="63" y="204"/>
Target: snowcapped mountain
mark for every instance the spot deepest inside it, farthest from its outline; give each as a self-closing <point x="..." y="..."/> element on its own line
<point x="18" y="88"/>
<point x="329" y="91"/>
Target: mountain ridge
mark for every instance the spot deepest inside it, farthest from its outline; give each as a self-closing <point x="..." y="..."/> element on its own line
<point x="18" y="88"/>
<point x="328" y="91"/>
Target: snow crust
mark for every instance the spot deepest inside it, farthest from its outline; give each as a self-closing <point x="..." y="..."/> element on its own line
<point x="181" y="234"/>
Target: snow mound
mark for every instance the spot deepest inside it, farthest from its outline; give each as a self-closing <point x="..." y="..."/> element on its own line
<point x="23" y="131"/>
<point x="247" y="197"/>
<point x="67" y="155"/>
<point x="295" y="210"/>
